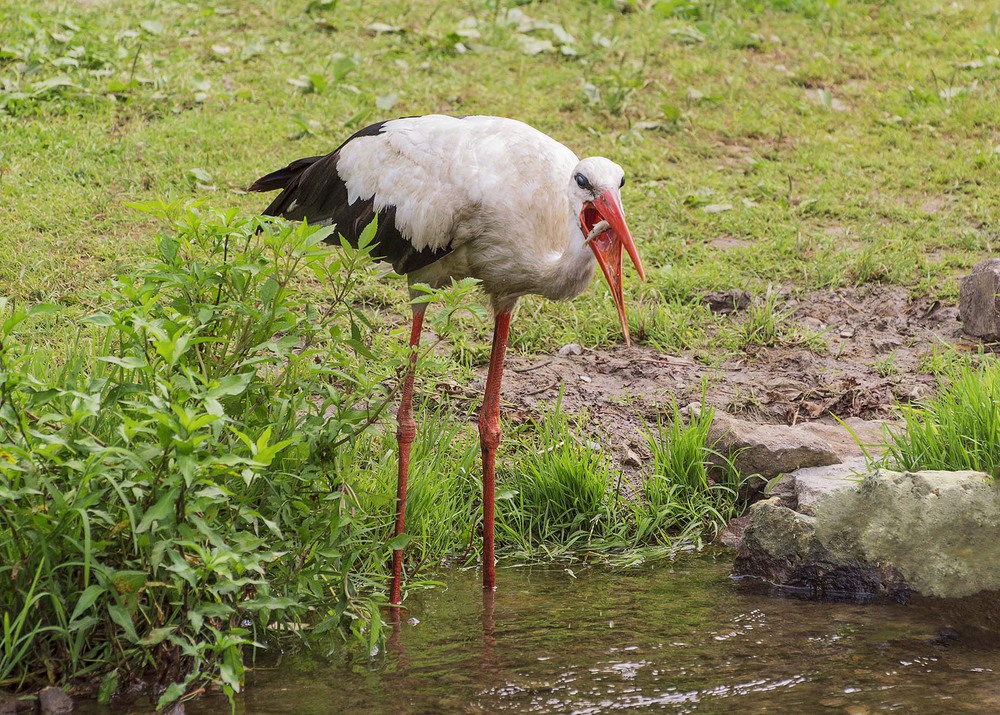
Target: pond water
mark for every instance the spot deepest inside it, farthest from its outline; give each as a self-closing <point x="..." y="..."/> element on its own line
<point x="670" y="636"/>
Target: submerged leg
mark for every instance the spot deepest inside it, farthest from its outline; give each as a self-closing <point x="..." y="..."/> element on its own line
<point x="405" y="431"/>
<point x="489" y="439"/>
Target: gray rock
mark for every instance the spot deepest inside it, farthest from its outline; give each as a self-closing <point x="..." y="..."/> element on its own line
<point x="812" y="483"/>
<point x="732" y="535"/>
<point x="768" y="450"/>
<point x="938" y="528"/>
<point x="783" y="548"/>
<point x="931" y="532"/>
<point x="844" y="436"/>
<point x="784" y="491"/>
<point x="54" y="701"/>
<point x="979" y="300"/>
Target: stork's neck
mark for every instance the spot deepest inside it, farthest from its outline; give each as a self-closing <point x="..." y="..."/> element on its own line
<point x="570" y="273"/>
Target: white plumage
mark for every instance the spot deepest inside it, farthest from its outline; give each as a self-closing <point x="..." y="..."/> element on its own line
<point x="433" y="168"/>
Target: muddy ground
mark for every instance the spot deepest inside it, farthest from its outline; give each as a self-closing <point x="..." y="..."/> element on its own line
<point x="622" y="389"/>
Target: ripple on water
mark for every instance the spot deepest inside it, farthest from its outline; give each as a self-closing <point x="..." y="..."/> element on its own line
<point x="682" y="638"/>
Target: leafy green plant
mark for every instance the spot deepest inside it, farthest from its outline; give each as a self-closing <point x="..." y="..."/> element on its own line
<point x="766" y="323"/>
<point x="886" y="367"/>
<point x="671" y="326"/>
<point x="944" y="359"/>
<point x="163" y="505"/>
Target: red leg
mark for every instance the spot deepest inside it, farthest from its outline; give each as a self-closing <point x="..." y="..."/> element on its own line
<point x="405" y="431"/>
<point x="489" y="439"/>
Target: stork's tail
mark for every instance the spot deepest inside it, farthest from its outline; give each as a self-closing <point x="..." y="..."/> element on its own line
<point x="281" y="178"/>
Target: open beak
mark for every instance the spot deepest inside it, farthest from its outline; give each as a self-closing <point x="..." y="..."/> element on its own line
<point x="607" y="245"/>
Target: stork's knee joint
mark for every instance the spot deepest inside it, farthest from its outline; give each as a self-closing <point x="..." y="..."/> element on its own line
<point x="489" y="434"/>
<point x="406" y="428"/>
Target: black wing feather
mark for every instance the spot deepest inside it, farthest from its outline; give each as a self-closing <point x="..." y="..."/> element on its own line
<point x="314" y="190"/>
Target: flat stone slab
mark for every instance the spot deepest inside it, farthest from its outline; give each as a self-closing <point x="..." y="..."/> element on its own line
<point x="768" y="450"/>
<point x="812" y="483"/>
<point x="843" y="437"/>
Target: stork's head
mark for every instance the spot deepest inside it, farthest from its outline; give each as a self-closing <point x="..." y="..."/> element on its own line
<point x="595" y="187"/>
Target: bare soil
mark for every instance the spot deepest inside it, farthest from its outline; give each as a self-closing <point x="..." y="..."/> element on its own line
<point x="623" y="389"/>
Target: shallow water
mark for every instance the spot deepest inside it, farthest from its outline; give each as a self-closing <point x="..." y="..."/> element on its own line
<point x="678" y="637"/>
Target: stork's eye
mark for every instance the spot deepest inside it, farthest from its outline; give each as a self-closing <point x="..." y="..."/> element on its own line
<point x="622" y="184"/>
<point x="582" y="181"/>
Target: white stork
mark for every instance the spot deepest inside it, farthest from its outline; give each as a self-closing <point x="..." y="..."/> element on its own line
<point x="456" y="197"/>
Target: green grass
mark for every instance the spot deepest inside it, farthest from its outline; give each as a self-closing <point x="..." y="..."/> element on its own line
<point x="850" y="150"/>
<point x="558" y="495"/>
<point x="444" y="490"/>
<point x="959" y="428"/>
<point x="794" y="144"/>
<point x="685" y="491"/>
<point x="561" y="498"/>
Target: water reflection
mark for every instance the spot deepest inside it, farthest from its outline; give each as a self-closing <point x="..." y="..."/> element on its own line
<point x="675" y="637"/>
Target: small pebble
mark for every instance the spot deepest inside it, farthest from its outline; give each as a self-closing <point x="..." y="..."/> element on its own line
<point x="570" y="349"/>
<point x="632" y="459"/>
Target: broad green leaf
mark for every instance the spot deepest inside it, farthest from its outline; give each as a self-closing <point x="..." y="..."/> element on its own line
<point x="129" y="363"/>
<point x="120" y="616"/>
<point x="157" y="635"/>
<point x="161" y="512"/>
<point x="173" y="692"/>
<point x="230" y="385"/>
<point x="86" y="600"/>
<point x="108" y="686"/>
<point x="398" y="543"/>
<point x="102" y="319"/>
<point x="42" y="309"/>
<point x="167" y="249"/>
<point x="268" y="291"/>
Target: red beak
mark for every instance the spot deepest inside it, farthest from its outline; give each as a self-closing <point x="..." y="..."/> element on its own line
<point x="607" y="247"/>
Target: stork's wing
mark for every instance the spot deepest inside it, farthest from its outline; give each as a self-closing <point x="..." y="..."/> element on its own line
<point x="434" y="181"/>
<point x="315" y="190"/>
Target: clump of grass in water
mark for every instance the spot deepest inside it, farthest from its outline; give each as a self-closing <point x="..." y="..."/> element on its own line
<point x="556" y="496"/>
<point x="682" y="499"/>
<point x="957" y="429"/>
<point x="442" y="496"/>
<point x="560" y="497"/>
